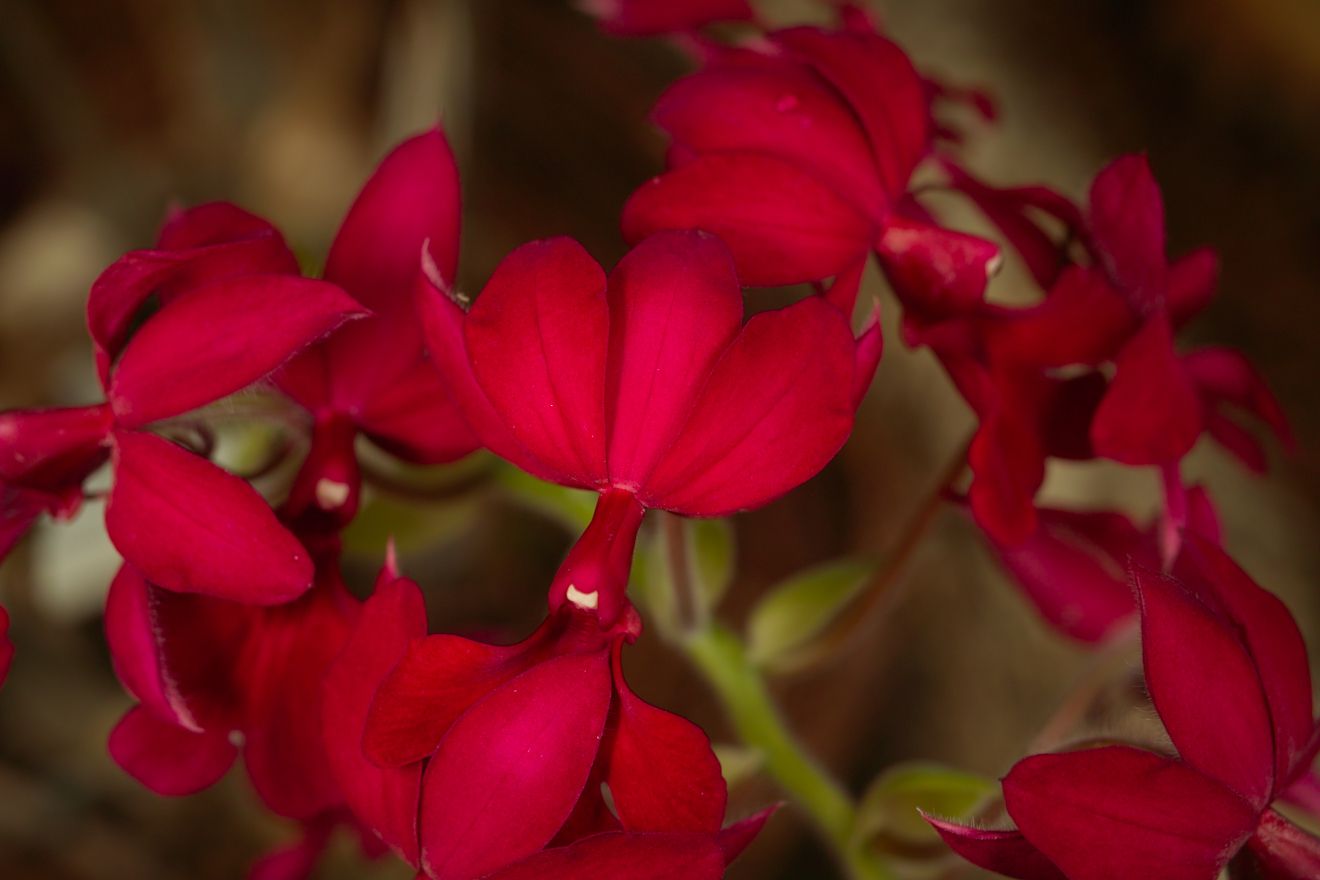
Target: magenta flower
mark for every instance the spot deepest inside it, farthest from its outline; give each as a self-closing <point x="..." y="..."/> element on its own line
<point x="798" y="151"/>
<point x="478" y="761"/>
<point x="229" y="315"/>
<point x="1226" y="668"/>
<point x="216" y="679"/>
<point x="372" y="376"/>
<point x="647" y="387"/>
<point x="639" y="18"/>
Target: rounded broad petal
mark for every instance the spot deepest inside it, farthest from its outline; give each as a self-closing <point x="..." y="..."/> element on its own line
<point x="1002" y="852"/>
<point x="416" y="420"/>
<point x="385" y="799"/>
<point x="1273" y="639"/>
<point x="507" y="775"/>
<point x="224" y="541"/>
<point x="675" y="305"/>
<point x="783" y="224"/>
<point x="784" y="111"/>
<point x="166" y="758"/>
<point x="537" y="338"/>
<point x="661" y="770"/>
<point x="777" y="407"/>
<point x="411" y="200"/>
<point x="885" y="91"/>
<point x="219" y="339"/>
<point x="636" y="856"/>
<point x="1127" y="228"/>
<point x="1151" y="414"/>
<point x="1206" y="688"/>
<point x="1121" y="812"/>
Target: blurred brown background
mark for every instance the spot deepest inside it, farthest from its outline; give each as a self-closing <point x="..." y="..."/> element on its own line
<point x="110" y="110"/>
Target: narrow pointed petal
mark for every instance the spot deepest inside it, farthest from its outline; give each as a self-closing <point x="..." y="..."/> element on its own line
<point x="1114" y="812"/>
<point x="1001" y="852"/>
<point x="640" y="18"/>
<point x="1072" y="569"/>
<point x="224" y="539"/>
<point x="507" y="775"/>
<point x="443" y="321"/>
<point x="384" y="799"/>
<point x="870" y="347"/>
<point x="1224" y="376"/>
<point x="1274" y="643"/>
<point x="1151" y="413"/>
<point x="783" y="224"/>
<point x="219" y="339"/>
<point x="784" y="111"/>
<point x="636" y="856"/>
<point x="777" y="407"/>
<point x="1206" y="688"/>
<point x="1191" y="284"/>
<point x="411" y="200"/>
<point x="436" y="680"/>
<point x="537" y="337"/>
<point x="885" y="91"/>
<point x="675" y="305"/>
<point x="734" y="839"/>
<point x="166" y="758"/>
<point x="936" y="273"/>
<point x="1127" y="225"/>
<point x="1285" y="851"/>
<point x="661" y="769"/>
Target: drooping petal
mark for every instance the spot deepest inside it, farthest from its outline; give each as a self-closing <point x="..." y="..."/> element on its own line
<point x="777" y="407"/>
<point x="1072" y="569"/>
<point x="204" y="243"/>
<point x="1206" y="688"/>
<point x="784" y="111"/>
<point x="1127" y="227"/>
<point x="634" y="855"/>
<point x="661" y="770"/>
<point x="508" y="773"/>
<point x="411" y="200"/>
<point x="1225" y="379"/>
<point x="166" y="758"/>
<point x="1116" y="811"/>
<point x="435" y="681"/>
<point x="288" y="652"/>
<point x="537" y="337"/>
<point x="1002" y="852"/>
<point x="385" y="799"/>
<point x="885" y="91"/>
<point x="1082" y="320"/>
<point x="1285" y="851"/>
<point x="675" y="305"/>
<point x="219" y="339"/>
<point x="1272" y="639"/>
<point x="782" y="224"/>
<point x="224" y="540"/>
<point x="1151" y="413"/>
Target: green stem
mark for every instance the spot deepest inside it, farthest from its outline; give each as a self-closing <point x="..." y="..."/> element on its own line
<point x="722" y="659"/>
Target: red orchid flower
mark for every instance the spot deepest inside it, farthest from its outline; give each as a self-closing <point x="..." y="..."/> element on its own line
<point x="798" y="153"/>
<point x="644" y="18"/>
<point x="216" y="679"/>
<point x="478" y="761"/>
<point x="1226" y="668"/>
<point x="229" y="315"/>
<point x="647" y="387"/>
<point x="372" y="376"/>
<point x="1073" y="566"/>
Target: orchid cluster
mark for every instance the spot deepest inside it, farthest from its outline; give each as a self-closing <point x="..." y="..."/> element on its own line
<point x="792" y="161"/>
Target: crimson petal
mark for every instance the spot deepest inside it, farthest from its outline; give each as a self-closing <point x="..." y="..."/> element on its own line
<point x="1127" y="224"/>
<point x="1003" y="852"/>
<point x="166" y="758"/>
<point x="224" y="540"/>
<point x="634" y="855"/>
